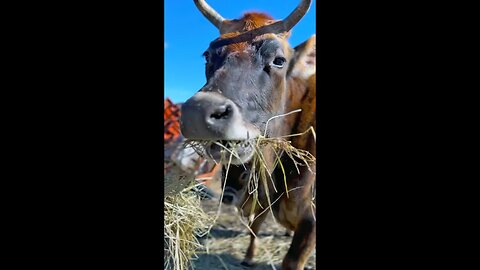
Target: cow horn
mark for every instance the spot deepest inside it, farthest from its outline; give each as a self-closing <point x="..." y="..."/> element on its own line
<point x="209" y="13"/>
<point x="296" y="15"/>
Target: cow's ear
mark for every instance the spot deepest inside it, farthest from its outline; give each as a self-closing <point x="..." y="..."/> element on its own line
<point x="303" y="62"/>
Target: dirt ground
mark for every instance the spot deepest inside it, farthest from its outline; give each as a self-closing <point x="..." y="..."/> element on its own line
<point x="226" y="245"/>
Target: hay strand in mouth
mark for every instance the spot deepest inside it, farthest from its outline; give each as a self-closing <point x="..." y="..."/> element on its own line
<point x="277" y="116"/>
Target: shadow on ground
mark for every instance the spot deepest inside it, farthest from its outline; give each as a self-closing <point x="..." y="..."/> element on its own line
<point x="228" y="240"/>
<point x="224" y="233"/>
<point x="226" y="261"/>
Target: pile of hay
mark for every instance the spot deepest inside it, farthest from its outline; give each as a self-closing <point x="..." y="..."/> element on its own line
<point x="184" y="219"/>
<point x="184" y="222"/>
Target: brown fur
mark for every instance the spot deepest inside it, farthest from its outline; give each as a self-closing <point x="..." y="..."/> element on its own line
<point x="249" y="21"/>
<point x="308" y="118"/>
<point x="295" y="212"/>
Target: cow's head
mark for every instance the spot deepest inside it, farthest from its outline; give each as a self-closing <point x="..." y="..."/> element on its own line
<point x="247" y="69"/>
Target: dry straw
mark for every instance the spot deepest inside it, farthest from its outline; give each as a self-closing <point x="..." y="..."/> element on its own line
<point x="184" y="221"/>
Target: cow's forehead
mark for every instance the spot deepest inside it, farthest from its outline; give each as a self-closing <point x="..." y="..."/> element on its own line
<point x="250" y="21"/>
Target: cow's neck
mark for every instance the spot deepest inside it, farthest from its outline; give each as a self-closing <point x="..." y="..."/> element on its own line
<point x="307" y="118"/>
<point x="300" y="95"/>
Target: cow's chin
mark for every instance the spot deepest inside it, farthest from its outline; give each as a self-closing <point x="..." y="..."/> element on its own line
<point x="234" y="152"/>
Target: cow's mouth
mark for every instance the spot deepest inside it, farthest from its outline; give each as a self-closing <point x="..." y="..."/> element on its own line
<point x="239" y="151"/>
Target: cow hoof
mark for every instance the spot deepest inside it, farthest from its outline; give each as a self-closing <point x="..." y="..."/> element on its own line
<point x="247" y="263"/>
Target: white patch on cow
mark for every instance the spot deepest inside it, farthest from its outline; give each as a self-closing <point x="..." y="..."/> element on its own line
<point x="304" y="65"/>
<point x="304" y="73"/>
<point x="238" y="130"/>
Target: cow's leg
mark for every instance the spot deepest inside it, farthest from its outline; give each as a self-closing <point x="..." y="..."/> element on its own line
<point x="255" y="227"/>
<point x="303" y="244"/>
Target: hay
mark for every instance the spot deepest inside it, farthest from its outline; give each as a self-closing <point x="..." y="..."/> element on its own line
<point x="260" y="171"/>
<point x="184" y="221"/>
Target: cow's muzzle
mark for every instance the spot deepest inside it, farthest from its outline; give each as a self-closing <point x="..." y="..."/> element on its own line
<point x="209" y="116"/>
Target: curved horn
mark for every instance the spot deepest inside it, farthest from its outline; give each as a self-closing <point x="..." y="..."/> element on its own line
<point x="296" y="15"/>
<point x="209" y="13"/>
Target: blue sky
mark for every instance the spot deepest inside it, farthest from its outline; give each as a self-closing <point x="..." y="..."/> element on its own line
<point x="188" y="33"/>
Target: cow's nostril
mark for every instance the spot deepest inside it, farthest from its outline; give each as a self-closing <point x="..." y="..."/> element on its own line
<point x="222" y="112"/>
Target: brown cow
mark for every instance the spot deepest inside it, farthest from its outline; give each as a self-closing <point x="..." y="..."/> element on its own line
<point x="252" y="75"/>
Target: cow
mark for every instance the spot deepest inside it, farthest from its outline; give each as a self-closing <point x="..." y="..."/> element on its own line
<point x="253" y="75"/>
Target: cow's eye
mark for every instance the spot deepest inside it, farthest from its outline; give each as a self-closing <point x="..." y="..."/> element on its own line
<point x="279" y="62"/>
